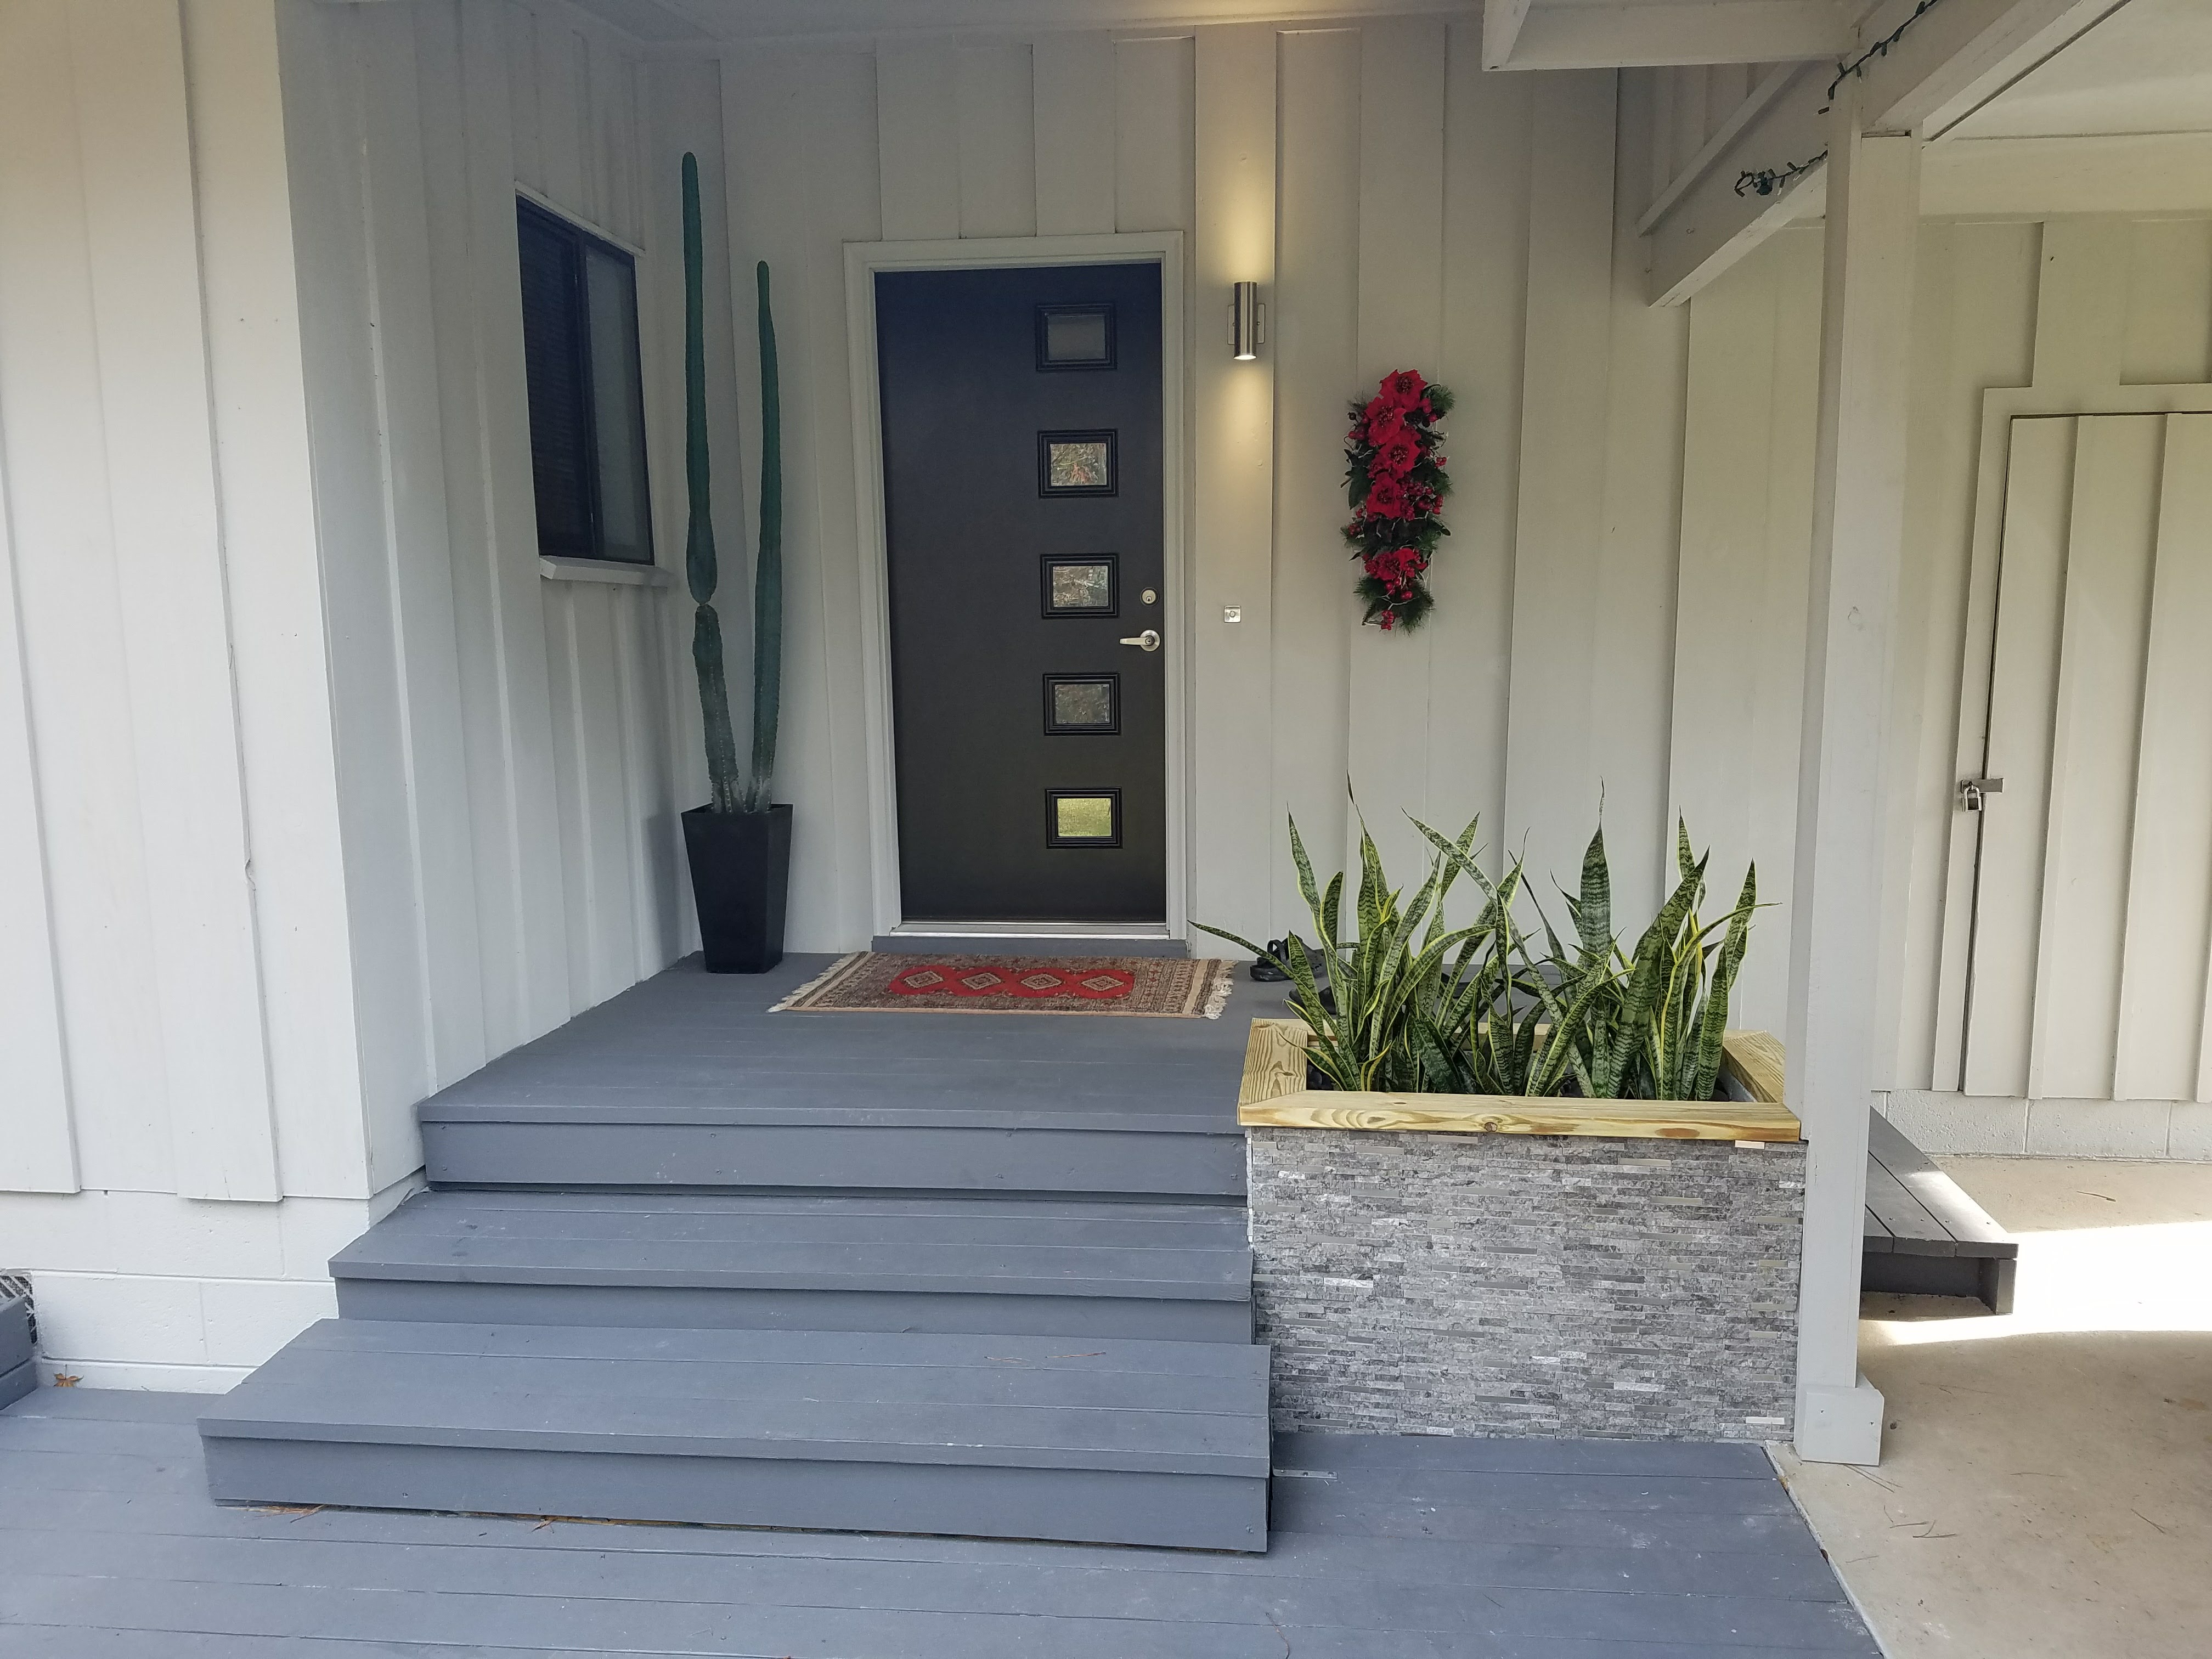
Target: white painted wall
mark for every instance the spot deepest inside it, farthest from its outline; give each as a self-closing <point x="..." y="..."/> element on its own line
<point x="506" y="746"/>
<point x="314" y="792"/>
<point x="1400" y="206"/>
<point x="185" y="1131"/>
<point x="2079" y="310"/>
<point x="288" y="843"/>
<point x="1622" y="603"/>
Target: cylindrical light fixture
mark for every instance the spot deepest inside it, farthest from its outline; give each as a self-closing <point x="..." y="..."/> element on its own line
<point x="1247" y="321"/>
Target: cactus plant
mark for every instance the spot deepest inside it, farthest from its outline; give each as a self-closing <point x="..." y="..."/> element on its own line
<point x="727" y="791"/>
<point x="768" y="568"/>
<point x="700" y="569"/>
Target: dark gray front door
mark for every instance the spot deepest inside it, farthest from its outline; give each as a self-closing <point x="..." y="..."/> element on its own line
<point x="1023" y="500"/>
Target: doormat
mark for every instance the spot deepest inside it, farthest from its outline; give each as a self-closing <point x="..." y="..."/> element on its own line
<point x="878" y="982"/>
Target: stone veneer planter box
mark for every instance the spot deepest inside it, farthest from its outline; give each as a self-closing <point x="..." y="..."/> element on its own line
<point x="1483" y="1265"/>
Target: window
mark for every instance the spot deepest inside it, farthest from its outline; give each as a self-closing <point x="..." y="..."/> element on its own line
<point x="586" y="401"/>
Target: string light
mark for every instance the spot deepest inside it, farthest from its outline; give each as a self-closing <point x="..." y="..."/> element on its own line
<point x="1766" y="181"/>
<point x="1858" y="66"/>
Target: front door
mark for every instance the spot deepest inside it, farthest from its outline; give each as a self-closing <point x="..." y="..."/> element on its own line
<point x="1023" y="505"/>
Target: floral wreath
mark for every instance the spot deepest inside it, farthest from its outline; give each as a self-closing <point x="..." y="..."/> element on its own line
<point x="1394" y="473"/>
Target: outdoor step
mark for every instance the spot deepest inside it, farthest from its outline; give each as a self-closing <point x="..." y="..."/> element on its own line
<point x="1161" y="1443"/>
<point x="858" y="1135"/>
<point x="1171" y="1272"/>
<point x="18" y="1371"/>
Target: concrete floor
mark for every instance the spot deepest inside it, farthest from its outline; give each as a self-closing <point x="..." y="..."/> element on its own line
<point x="2046" y="1480"/>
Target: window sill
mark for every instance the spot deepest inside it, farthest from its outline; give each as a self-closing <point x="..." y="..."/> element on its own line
<point x="603" y="570"/>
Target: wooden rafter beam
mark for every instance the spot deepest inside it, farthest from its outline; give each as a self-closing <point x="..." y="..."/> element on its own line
<point x="1712" y="223"/>
<point x="1502" y="22"/>
<point x="1960" y="54"/>
<point x="1956" y="57"/>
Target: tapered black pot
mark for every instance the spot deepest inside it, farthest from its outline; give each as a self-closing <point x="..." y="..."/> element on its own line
<point x="740" y="877"/>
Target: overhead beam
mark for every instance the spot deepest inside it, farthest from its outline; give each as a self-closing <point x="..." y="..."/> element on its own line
<point x="1960" y="54"/>
<point x="1957" y="55"/>
<point x="1502" y="21"/>
<point x="1655" y="34"/>
<point x="1712" y="224"/>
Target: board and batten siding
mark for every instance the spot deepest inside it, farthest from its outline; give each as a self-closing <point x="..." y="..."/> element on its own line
<point x="1400" y="209"/>
<point x="508" y="742"/>
<point x="315" y="791"/>
<point x="182" y="1134"/>
<point x="2085" y="313"/>
<point x="1622" y="601"/>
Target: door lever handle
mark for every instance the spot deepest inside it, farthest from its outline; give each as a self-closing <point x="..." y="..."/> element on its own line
<point x="1147" y="640"/>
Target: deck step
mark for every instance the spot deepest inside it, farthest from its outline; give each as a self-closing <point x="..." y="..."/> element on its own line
<point x="702" y="1261"/>
<point x="1160" y="1443"/>
<point x="872" y="1136"/>
<point x="19" y="1371"/>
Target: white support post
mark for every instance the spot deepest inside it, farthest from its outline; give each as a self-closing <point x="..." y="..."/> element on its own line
<point x="1857" y="546"/>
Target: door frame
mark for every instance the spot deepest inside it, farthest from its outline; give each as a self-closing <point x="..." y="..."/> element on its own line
<point x="2000" y="407"/>
<point x="862" y="261"/>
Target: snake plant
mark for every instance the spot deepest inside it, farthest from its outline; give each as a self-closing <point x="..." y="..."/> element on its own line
<point x="1415" y="1004"/>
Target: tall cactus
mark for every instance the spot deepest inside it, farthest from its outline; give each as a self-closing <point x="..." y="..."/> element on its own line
<point x="768" y="572"/>
<point x="699" y="565"/>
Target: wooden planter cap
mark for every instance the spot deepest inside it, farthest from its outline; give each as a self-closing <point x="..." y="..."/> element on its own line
<point x="1275" y="1095"/>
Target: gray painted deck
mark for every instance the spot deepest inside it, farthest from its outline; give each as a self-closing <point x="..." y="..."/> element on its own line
<point x="1381" y="1549"/>
<point x="1924" y="1236"/>
<point x="1112" y="1442"/>
<point x="797" y="1261"/>
<point x="688" y="1081"/>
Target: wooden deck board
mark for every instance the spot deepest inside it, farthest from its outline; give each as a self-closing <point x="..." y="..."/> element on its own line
<point x="1382" y="1551"/>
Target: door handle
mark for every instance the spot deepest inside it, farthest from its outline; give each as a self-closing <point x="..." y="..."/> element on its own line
<point x="1147" y="640"/>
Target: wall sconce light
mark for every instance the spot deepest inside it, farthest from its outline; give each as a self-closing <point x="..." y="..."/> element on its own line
<point x="1247" y="321"/>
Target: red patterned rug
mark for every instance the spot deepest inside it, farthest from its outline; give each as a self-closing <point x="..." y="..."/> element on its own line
<point x="877" y="982"/>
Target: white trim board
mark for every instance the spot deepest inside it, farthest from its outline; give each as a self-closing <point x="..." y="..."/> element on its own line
<point x="1948" y="1125"/>
<point x="862" y="261"/>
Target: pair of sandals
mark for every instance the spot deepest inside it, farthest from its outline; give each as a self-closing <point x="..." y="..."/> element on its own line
<point x="1266" y="971"/>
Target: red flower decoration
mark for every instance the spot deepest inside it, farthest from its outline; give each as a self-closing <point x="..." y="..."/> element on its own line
<point x="1385" y="421"/>
<point x="1394" y="524"/>
<point x="1386" y="498"/>
<point x="1405" y="389"/>
<point x="1397" y="455"/>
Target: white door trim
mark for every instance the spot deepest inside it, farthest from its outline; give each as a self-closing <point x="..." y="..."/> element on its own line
<point x="862" y="261"/>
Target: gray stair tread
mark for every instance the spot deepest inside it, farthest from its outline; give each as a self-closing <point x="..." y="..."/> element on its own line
<point x="1913" y="1208"/>
<point x="1018" y="1402"/>
<point x="799" y="1243"/>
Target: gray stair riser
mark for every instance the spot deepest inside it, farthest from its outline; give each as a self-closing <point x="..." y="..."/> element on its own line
<point x="18" y="1381"/>
<point x="660" y="1306"/>
<point x="1086" y="1163"/>
<point x="1177" y="1511"/>
<point x="15" y="1333"/>
<point x="1988" y="1279"/>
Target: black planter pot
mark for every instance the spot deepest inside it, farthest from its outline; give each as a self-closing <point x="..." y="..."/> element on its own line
<point x="740" y="877"/>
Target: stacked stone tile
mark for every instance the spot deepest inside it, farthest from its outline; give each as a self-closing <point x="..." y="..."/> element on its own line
<point x="1414" y="1283"/>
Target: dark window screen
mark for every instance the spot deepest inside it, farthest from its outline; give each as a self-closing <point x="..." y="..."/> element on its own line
<point x="586" y="404"/>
